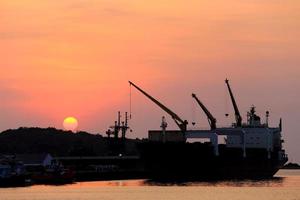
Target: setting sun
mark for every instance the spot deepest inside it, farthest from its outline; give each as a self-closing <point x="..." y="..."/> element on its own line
<point x="70" y="123"/>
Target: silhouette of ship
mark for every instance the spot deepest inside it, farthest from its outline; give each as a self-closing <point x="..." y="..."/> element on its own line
<point x="252" y="150"/>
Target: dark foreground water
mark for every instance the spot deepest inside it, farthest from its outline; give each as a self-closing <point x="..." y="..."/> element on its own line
<point x="285" y="186"/>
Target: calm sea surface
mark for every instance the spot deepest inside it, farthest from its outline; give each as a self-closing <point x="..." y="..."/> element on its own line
<point x="285" y="186"/>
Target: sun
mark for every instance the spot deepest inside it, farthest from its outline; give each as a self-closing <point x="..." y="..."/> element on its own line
<point x="70" y="124"/>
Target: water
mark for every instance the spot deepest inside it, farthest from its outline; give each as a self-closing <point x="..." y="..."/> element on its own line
<point x="285" y="186"/>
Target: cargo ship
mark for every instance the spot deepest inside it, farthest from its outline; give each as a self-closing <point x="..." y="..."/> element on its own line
<point x="251" y="150"/>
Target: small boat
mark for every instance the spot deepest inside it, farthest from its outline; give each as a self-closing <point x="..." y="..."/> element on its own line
<point x="12" y="173"/>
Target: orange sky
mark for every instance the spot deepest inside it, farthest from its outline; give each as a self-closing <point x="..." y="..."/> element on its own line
<point x="74" y="57"/>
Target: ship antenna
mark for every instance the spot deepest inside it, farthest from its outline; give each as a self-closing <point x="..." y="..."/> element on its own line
<point x="130" y="101"/>
<point x="267" y="118"/>
<point x="226" y="104"/>
<point x="193" y="113"/>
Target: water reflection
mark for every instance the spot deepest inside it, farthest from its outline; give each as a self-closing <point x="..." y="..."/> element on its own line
<point x="286" y="186"/>
<point x="273" y="182"/>
<point x="285" y="178"/>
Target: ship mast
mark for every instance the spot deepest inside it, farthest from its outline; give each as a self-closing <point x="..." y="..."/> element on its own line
<point x="182" y="124"/>
<point x="211" y="120"/>
<point x="237" y="114"/>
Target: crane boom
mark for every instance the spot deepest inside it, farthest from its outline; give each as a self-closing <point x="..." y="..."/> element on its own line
<point x="211" y="120"/>
<point x="237" y="114"/>
<point x="182" y="124"/>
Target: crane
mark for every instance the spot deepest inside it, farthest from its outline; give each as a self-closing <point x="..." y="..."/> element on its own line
<point x="237" y="114"/>
<point x="182" y="124"/>
<point x="211" y="120"/>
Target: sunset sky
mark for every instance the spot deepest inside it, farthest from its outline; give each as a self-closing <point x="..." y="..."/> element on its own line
<point x="75" y="57"/>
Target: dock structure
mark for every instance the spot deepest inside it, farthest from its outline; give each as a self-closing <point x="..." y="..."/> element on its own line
<point x="104" y="167"/>
<point x="120" y="157"/>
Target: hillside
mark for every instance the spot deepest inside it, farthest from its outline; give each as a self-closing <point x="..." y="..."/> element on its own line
<point x="62" y="143"/>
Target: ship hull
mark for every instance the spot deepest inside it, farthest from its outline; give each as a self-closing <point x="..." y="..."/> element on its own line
<point x="197" y="161"/>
